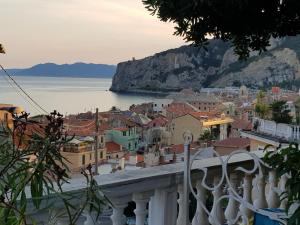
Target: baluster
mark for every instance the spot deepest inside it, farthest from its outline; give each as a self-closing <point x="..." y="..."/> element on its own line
<point x="180" y="218"/>
<point x="118" y="217"/>
<point x="282" y="188"/>
<point x="247" y="191"/>
<point x="273" y="198"/>
<point x="200" y="215"/>
<point x="232" y="207"/>
<point x="140" y="211"/>
<point x="163" y="207"/>
<point x="90" y="219"/>
<point x="260" y="201"/>
<point x="216" y="216"/>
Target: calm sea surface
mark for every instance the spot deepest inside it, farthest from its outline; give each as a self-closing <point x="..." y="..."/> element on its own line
<point x="68" y="95"/>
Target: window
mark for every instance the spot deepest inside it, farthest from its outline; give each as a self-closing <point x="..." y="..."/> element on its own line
<point x="117" y="156"/>
<point x="124" y="133"/>
<point x="90" y="156"/>
<point x="135" y="144"/>
<point x="83" y="159"/>
<point x="154" y="124"/>
<point x="129" y="146"/>
<point x="101" y="155"/>
<point x="101" y="139"/>
<point x="155" y="105"/>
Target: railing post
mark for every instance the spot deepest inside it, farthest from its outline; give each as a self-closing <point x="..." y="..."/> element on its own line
<point x="216" y="216"/>
<point x="247" y="192"/>
<point x="232" y="207"/>
<point x="200" y="215"/>
<point x="260" y="201"/>
<point x="141" y="200"/>
<point x="118" y="217"/>
<point x="188" y="138"/>
<point x="163" y="207"/>
<point x="273" y="198"/>
<point x="180" y="218"/>
<point x="282" y="187"/>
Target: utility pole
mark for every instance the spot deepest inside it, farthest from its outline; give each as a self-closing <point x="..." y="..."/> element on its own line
<point x="96" y="140"/>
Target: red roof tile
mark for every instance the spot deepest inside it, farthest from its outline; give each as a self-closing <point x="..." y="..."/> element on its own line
<point x="158" y="122"/>
<point x="178" y="149"/>
<point x="233" y="142"/>
<point x="121" y="128"/>
<point x="112" y="147"/>
<point x="241" y="124"/>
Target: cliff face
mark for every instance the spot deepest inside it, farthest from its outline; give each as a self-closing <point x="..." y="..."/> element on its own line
<point x="191" y="67"/>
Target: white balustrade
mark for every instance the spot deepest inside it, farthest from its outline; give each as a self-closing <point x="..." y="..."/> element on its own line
<point x="161" y="189"/>
<point x="141" y="200"/>
<point x="118" y="217"/>
<point x="163" y="207"/>
<point x="273" y="198"/>
<point x="216" y="216"/>
<point x="200" y="217"/>
<point x="231" y="211"/>
<point x="282" y="188"/>
<point x="247" y="193"/>
<point x="260" y="184"/>
<point x="180" y="218"/>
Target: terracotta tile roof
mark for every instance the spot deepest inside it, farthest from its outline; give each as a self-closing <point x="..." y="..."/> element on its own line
<point x="179" y="109"/>
<point x="178" y="149"/>
<point x="241" y="124"/>
<point x="158" y="122"/>
<point x="204" y="115"/>
<point x="84" y="127"/>
<point x="233" y="142"/>
<point x="121" y="128"/>
<point x="112" y="147"/>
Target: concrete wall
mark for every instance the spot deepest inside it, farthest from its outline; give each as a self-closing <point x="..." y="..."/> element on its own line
<point x="257" y="145"/>
<point x="76" y="159"/>
<point x="180" y="124"/>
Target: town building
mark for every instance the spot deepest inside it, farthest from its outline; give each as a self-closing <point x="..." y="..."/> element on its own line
<point x="201" y="101"/>
<point x="229" y="145"/>
<point x="125" y="136"/>
<point x="197" y="123"/>
<point x="271" y="134"/>
<point x="80" y="153"/>
<point x="114" y="150"/>
<point x="156" y="132"/>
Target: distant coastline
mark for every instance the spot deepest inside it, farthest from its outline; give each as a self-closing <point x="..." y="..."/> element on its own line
<point x="76" y="70"/>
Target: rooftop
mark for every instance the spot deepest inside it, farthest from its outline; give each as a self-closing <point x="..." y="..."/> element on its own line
<point x="233" y="142"/>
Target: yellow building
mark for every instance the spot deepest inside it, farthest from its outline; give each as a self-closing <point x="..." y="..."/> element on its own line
<point x="197" y="123"/>
<point x="6" y="110"/>
<point x="79" y="154"/>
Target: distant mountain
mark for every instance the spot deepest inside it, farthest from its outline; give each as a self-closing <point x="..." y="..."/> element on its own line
<point x="67" y="70"/>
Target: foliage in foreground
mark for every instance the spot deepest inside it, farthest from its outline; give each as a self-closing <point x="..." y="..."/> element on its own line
<point x="249" y="28"/>
<point x="286" y="162"/>
<point x="31" y="166"/>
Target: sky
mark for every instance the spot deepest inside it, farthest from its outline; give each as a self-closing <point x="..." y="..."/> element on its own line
<point x="91" y="31"/>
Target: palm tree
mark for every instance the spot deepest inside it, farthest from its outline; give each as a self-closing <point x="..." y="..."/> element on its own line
<point x="206" y="137"/>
